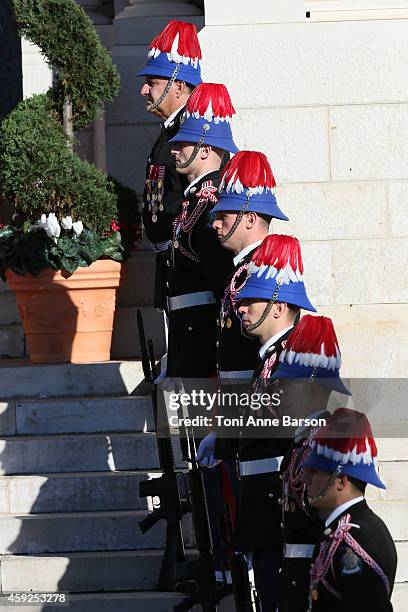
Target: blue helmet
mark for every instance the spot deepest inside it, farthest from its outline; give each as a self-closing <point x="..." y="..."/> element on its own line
<point x="207" y="119"/>
<point x="248" y="185"/>
<point x="345" y="445"/>
<point x="276" y="273"/>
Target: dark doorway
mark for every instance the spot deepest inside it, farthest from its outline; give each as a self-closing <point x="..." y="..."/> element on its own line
<point x="11" y="81"/>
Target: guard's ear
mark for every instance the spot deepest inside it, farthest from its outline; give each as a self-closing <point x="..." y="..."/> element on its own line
<point x="341" y="482"/>
<point x="250" y="219"/>
<point x="181" y="88"/>
<point x="205" y="151"/>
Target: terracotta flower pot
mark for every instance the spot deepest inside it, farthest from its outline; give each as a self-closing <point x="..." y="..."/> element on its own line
<point x="68" y="319"/>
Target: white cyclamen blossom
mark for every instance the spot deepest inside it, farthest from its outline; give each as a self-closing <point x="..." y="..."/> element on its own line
<point x="66" y="223"/>
<point x="50" y="225"/>
<point x="78" y="227"/>
<point x="53" y="228"/>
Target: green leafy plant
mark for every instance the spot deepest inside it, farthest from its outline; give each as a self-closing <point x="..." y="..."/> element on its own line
<point x="66" y="212"/>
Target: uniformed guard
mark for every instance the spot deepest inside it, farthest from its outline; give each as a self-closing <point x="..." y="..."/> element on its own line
<point x="354" y="564"/>
<point x="243" y="216"/>
<point x="243" y="212"/>
<point x="268" y="303"/>
<point x="311" y="355"/>
<point x="171" y="73"/>
<point x="197" y="265"/>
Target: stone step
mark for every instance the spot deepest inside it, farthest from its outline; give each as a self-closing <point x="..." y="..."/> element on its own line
<point x="76" y="415"/>
<point x="33" y="534"/>
<point x="80" y="453"/>
<point x="23" y="380"/>
<point x="78" y="492"/>
<point x="112" y="602"/>
<point x="125" y="339"/>
<point x="132" y="570"/>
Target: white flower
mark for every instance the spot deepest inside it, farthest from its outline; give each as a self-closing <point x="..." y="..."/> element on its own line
<point x="43" y="221"/>
<point x="66" y="223"/>
<point x="52" y="227"/>
<point x="78" y="227"/>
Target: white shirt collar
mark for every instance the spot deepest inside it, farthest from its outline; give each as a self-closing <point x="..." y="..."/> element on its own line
<point x="342" y="508"/>
<point x="170" y="119"/>
<point x="196" y="180"/>
<point x="245" y="252"/>
<point x="272" y="340"/>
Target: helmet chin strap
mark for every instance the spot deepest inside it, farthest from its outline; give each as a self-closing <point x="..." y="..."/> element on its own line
<point x="237" y="221"/>
<point x="165" y="91"/>
<point x="332" y="477"/>
<point x="197" y="147"/>
<point x="265" y="313"/>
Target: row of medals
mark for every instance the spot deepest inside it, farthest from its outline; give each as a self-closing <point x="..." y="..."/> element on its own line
<point x="154" y="195"/>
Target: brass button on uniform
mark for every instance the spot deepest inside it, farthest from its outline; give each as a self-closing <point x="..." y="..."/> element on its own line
<point x="190" y="328"/>
<point x="294" y="583"/>
<point x="270" y="495"/>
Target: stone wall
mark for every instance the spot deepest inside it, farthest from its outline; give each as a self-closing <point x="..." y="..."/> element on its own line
<point x="328" y="103"/>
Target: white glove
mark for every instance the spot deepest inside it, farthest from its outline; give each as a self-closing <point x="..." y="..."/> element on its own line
<point x="206" y="451"/>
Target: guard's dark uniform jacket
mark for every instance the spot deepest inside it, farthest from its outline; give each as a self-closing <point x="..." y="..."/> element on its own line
<point x="360" y="575"/>
<point x="163" y="194"/>
<point x="237" y="355"/>
<point x="197" y="268"/>
<point x="236" y="352"/>
<point x="258" y="524"/>
<point x="301" y="525"/>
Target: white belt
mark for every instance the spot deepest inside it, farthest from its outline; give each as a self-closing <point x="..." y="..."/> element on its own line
<point x="226" y="375"/>
<point x="160" y="246"/>
<point x="298" y="551"/>
<point x="199" y="298"/>
<point x="259" y="466"/>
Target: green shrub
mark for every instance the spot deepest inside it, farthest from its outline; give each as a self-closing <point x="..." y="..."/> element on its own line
<point x="40" y="174"/>
<point x="72" y="47"/>
<point x="67" y="213"/>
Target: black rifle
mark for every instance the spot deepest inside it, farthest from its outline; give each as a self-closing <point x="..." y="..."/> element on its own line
<point x="206" y="592"/>
<point x="172" y="506"/>
<point x="239" y="570"/>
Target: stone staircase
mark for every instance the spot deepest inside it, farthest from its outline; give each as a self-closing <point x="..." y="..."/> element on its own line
<point x="75" y="441"/>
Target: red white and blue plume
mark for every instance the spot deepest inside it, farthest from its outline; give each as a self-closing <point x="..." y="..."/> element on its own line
<point x="279" y="257"/>
<point x="248" y="170"/>
<point x="207" y="118"/>
<point x="313" y="343"/>
<point x="212" y="102"/>
<point x="312" y="351"/>
<point x="346" y="444"/>
<point x="175" y="53"/>
<point x="179" y="41"/>
<point x="248" y="181"/>
<point x="276" y="272"/>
